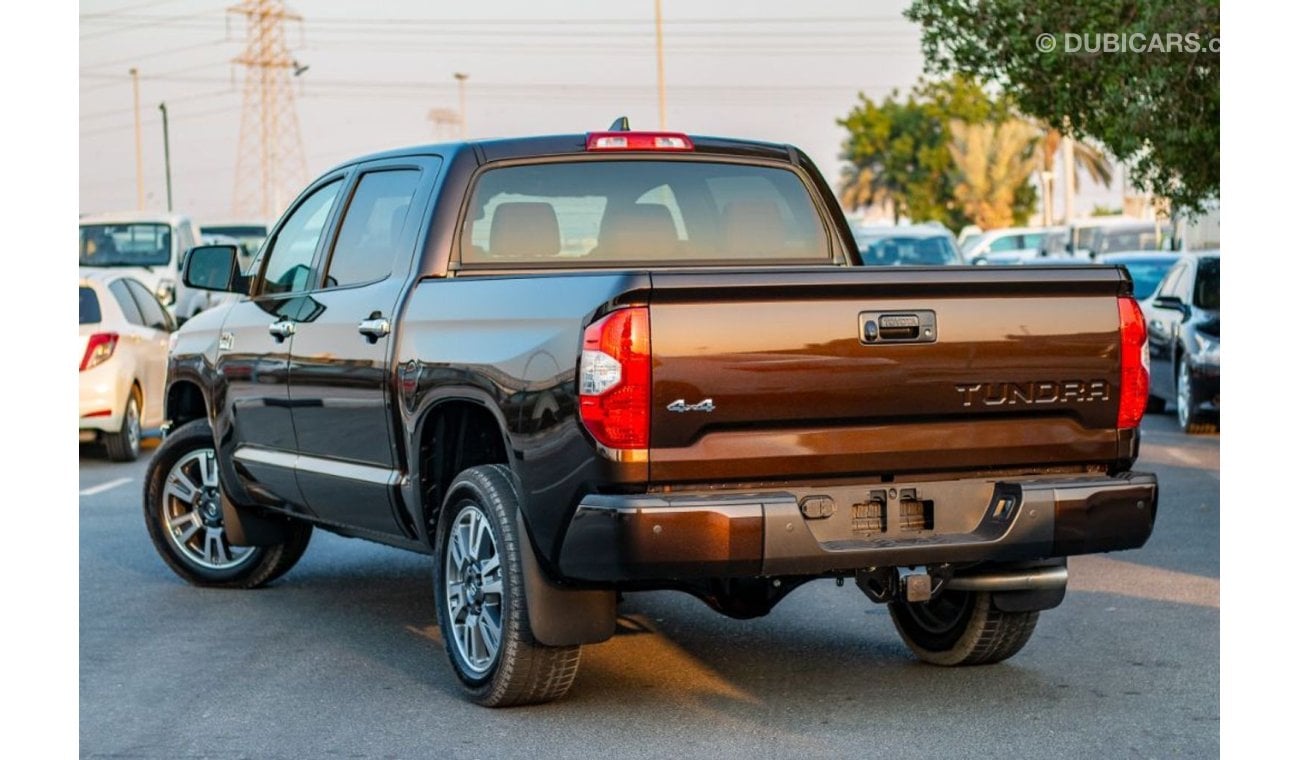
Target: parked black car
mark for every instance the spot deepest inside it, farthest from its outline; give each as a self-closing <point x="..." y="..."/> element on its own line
<point x="1183" y="328"/>
<point x="1147" y="268"/>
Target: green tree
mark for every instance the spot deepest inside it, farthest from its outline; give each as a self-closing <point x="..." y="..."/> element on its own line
<point x="1156" y="110"/>
<point x="899" y="156"/>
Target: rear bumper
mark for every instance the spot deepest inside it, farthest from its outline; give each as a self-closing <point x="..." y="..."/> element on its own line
<point x="813" y="531"/>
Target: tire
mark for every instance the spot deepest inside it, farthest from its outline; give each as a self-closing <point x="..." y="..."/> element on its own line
<point x="1190" y="420"/>
<point x="124" y="445"/>
<point x="479" y="590"/>
<point x="182" y="512"/>
<point x="961" y="628"/>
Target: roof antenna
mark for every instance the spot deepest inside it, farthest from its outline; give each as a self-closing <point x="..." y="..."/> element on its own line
<point x="620" y="125"/>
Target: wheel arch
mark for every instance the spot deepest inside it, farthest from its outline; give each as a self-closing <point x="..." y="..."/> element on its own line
<point x="185" y="402"/>
<point x="452" y="434"/>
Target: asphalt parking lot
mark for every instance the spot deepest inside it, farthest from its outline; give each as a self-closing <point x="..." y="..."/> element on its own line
<point x="342" y="658"/>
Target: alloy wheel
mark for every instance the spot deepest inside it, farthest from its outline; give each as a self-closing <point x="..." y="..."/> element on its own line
<point x="192" y="513"/>
<point x="1184" y="394"/>
<point x="132" y="425"/>
<point x="473" y="585"/>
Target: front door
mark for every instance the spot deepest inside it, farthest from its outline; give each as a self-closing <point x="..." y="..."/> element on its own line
<point x="256" y="425"/>
<point x="1164" y="324"/>
<point x="348" y="468"/>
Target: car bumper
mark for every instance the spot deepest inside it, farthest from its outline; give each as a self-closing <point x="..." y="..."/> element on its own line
<point x="815" y="531"/>
<point x="102" y="399"/>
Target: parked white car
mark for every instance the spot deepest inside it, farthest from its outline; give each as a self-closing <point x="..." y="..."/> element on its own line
<point x="125" y="333"/>
<point x="148" y="247"/>
<point x="248" y="234"/>
<point x="1009" y="245"/>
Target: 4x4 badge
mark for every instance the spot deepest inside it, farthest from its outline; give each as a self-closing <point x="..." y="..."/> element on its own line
<point x="680" y="405"/>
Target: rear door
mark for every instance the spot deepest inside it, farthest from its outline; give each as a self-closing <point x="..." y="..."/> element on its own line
<point x="348" y="466"/>
<point x="253" y="353"/>
<point x="151" y="352"/>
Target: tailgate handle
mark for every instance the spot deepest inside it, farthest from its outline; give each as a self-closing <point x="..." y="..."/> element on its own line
<point x="897" y="327"/>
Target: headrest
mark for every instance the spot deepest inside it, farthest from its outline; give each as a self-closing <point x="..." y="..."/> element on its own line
<point x="644" y="231"/>
<point x="752" y="229"/>
<point x="524" y="230"/>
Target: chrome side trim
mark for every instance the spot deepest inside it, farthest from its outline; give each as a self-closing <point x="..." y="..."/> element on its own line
<point x="319" y="465"/>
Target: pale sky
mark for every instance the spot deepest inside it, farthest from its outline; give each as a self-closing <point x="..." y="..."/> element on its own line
<point x="764" y="69"/>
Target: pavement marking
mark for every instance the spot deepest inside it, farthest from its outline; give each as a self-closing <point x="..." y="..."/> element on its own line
<point x="102" y="487"/>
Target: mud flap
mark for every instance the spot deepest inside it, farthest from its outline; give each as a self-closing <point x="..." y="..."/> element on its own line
<point x="1031" y="601"/>
<point x="244" y="528"/>
<point x="560" y="616"/>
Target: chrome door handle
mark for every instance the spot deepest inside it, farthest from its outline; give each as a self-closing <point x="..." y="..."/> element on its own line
<point x="281" y="330"/>
<point x="374" y="328"/>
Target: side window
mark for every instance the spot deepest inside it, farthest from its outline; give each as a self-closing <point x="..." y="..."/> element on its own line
<point x="1184" y="287"/>
<point x="288" y="268"/>
<point x="126" y="302"/>
<point x="150" y="309"/>
<point x="1007" y="243"/>
<point x="1170" y="287"/>
<point x="372" y="227"/>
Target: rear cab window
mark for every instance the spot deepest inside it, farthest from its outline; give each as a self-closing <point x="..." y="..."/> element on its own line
<point x="90" y="313"/>
<point x="603" y="212"/>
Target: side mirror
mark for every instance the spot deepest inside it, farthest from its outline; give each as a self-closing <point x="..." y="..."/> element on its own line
<point x="1170" y="302"/>
<point x="214" y="267"/>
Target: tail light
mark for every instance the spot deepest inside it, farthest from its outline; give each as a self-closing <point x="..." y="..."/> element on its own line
<point x="638" y="141"/>
<point x="98" y="350"/>
<point x="614" y="379"/>
<point x="1134" y="364"/>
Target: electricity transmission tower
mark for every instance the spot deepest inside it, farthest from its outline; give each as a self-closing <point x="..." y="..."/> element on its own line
<point x="271" y="166"/>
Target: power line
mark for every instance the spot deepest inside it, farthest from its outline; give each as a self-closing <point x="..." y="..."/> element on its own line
<point x="145" y="56"/>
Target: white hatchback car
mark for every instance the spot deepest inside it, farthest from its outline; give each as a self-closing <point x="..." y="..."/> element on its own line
<point x="125" y="333"/>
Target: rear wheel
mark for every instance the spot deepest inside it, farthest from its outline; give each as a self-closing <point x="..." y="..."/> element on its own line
<point x="482" y="610"/>
<point x="961" y="628"/>
<point x="1189" y="418"/>
<point x="124" y="445"/>
<point x="182" y="511"/>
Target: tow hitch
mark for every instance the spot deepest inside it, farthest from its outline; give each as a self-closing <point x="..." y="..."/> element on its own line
<point x="1023" y="586"/>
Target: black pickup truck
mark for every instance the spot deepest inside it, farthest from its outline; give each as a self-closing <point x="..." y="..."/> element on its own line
<point x="574" y="366"/>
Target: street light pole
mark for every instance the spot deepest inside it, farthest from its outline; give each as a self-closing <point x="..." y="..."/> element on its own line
<point x="167" y="155"/>
<point x="659" y="55"/>
<point x="460" y="84"/>
<point x="139" y="156"/>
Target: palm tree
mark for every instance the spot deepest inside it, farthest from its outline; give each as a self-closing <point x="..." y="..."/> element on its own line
<point x="991" y="162"/>
<point x="860" y="187"/>
<point x="1087" y="157"/>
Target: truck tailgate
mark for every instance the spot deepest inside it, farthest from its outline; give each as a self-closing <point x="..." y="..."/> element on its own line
<point x="875" y="372"/>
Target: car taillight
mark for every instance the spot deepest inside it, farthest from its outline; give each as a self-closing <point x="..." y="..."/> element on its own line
<point x="638" y="141"/>
<point x="98" y="349"/>
<point x="614" y="379"/>
<point x="1134" y="364"/>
